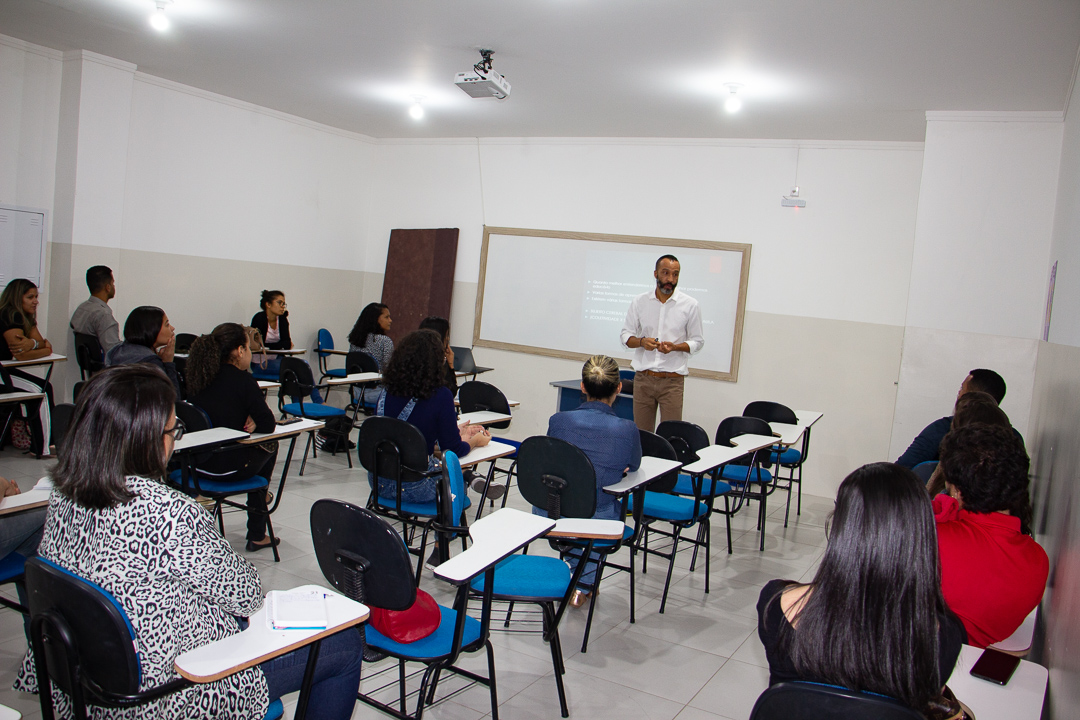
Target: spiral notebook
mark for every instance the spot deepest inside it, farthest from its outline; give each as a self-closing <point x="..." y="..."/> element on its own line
<point x="296" y="610"/>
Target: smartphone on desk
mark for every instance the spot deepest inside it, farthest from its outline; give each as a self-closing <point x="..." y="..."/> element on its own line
<point x="290" y="421"/>
<point x="995" y="666"/>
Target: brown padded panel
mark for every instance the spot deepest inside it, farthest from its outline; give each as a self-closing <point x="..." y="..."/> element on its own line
<point x="419" y="276"/>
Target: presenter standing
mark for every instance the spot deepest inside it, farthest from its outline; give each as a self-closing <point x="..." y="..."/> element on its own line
<point x="664" y="327"/>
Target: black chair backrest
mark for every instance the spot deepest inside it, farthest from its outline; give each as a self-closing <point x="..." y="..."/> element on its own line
<point x="296" y="378"/>
<point x="923" y="470"/>
<point x="61" y="418"/>
<point x="557" y="476"/>
<point x="103" y="636"/>
<point x="739" y="425"/>
<point x="347" y="536"/>
<point x="360" y="362"/>
<point x="686" y="437"/>
<point x="88" y="353"/>
<point x="184" y="341"/>
<point x="652" y="445"/>
<point x="193" y="417"/>
<point x="392" y="449"/>
<point x="76" y="390"/>
<point x="811" y="701"/>
<point x="475" y="396"/>
<point x="770" y="412"/>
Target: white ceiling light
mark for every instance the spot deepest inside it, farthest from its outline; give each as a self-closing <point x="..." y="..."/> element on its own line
<point x="733" y="103"/>
<point x="416" y="110"/>
<point x="159" y="20"/>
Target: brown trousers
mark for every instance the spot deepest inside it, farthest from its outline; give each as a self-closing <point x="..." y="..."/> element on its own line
<point x="651" y="391"/>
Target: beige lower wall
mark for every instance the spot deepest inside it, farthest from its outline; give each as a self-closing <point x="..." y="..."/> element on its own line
<point x="1055" y="456"/>
<point x="197" y="294"/>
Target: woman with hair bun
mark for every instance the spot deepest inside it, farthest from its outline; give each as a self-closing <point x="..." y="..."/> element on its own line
<point x="612" y="444"/>
<point x="873" y="618"/>
<point x="219" y="382"/>
<point x="272" y="321"/>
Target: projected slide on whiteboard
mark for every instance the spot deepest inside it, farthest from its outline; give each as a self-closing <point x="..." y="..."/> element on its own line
<point x="565" y="294"/>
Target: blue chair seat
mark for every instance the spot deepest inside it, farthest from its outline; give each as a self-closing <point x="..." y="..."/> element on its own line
<point x="685" y="486"/>
<point x="672" y="508"/>
<point x="275" y="711"/>
<point x="223" y="487"/>
<point x="313" y="410"/>
<point x="736" y="475"/>
<point x="534" y="577"/>
<point x="11" y="566"/>
<point x="259" y="374"/>
<point x="427" y="508"/>
<point x="789" y="456"/>
<point x="336" y="372"/>
<point x="437" y="644"/>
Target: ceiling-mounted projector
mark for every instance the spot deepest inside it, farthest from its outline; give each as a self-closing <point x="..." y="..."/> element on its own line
<point x="482" y="81"/>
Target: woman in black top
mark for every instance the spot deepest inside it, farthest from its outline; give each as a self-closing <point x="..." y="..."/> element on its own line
<point x="149" y="338"/>
<point x="219" y="382"/>
<point x="21" y="340"/>
<point x="272" y="321"/>
<point x="873" y="618"/>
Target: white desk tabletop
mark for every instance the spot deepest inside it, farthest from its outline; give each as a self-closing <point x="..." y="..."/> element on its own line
<point x="808" y="417"/>
<point x="511" y="403"/>
<point x="1021" y="699"/>
<point x="25" y="501"/>
<point x="714" y="456"/>
<point x="494" y="537"/>
<point x="788" y="434"/>
<point x="482" y="417"/>
<point x="651" y="468"/>
<point x="283" y="431"/>
<point x="213" y="436"/>
<point x="268" y="384"/>
<point x="1019" y="641"/>
<point x="588" y="528"/>
<point x="54" y="358"/>
<point x="332" y="352"/>
<point x="491" y="451"/>
<point x="355" y="378"/>
<point x="293" y="351"/>
<point x="258" y="643"/>
<point x="7" y="713"/>
<point x="20" y="396"/>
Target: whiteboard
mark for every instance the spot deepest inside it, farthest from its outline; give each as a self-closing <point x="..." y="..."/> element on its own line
<point x="565" y="294"/>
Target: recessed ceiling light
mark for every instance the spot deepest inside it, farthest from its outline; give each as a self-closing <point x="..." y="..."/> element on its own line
<point x="733" y="103"/>
<point x="159" y="20"/>
<point x="416" y="110"/>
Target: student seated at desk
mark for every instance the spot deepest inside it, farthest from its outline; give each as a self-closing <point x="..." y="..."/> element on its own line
<point x="612" y="444"/>
<point x="219" y="383"/>
<point x="369" y="336"/>
<point x="992" y="572"/>
<point x="873" y="618"/>
<point x="971" y="407"/>
<point x="415" y="393"/>
<point x="442" y="326"/>
<point x="272" y="321"/>
<point x="114" y="523"/>
<point x="149" y="338"/>
<point x="23" y="341"/>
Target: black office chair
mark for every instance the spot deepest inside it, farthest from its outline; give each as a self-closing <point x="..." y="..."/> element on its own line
<point x="813" y="701"/>
<point x="790" y="459"/>
<point x="363" y="557"/>
<point x="88" y="354"/>
<point x="84" y="642"/>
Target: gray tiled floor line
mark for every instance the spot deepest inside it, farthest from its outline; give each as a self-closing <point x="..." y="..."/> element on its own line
<point x="700" y="660"/>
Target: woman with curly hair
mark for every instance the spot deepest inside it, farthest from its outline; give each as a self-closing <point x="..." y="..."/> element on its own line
<point x="992" y="572"/>
<point x="415" y="393"/>
<point x="23" y="341"/>
<point x="219" y="382"/>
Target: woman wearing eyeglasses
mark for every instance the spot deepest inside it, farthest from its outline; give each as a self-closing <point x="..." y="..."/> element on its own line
<point x="272" y="321"/>
<point x="159" y="554"/>
<point x="218" y="381"/>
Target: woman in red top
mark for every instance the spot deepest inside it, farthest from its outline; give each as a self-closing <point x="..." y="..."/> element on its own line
<point x="992" y="572"/>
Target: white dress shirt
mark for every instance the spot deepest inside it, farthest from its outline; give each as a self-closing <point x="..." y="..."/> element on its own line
<point x="676" y="321"/>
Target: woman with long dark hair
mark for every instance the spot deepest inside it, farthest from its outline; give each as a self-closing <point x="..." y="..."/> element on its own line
<point x="272" y="321"/>
<point x="369" y="334"/>
<point x="415" y="393"/>
<point x="873" y="618"/>
<point x="114" y="523"/>
<point x="149" y="338"/>
<point x="23" y="341"/>
<point x="219" y="383"/>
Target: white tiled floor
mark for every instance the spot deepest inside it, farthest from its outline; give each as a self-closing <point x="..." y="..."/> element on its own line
<point x="700" y="660"/>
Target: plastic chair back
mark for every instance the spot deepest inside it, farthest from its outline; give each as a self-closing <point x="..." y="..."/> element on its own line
<point x="557" y="476"/>
<point x="296" y="378"/>
<point x="453" y="489"/>
<point x="392" y="449"/>
<point x="360" y="362"/>
<point x="61" y="418"/>
<point x="811" y="701"/>
<point x="739" y="425"/>
<point x="923" y="470"/>
<point x="184" y="341"/>
<point x="88" y="353"/>
<point x="653" y="445"/>
<point x="99" y="632"/>
<point x="325" y="342"/>
<point x="476" y="396"/>
<point x="770" y="412"/>
<point x="193" y="417"/>
<point x="346" y="535"/>
<point x="686" y="437"/>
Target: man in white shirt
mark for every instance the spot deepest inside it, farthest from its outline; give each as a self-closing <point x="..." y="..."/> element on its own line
<point x="94" y="317"/>
<point x="664" y="328"/>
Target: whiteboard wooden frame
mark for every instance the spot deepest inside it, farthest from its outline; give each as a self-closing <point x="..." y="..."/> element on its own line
<point x="744" y="277"/>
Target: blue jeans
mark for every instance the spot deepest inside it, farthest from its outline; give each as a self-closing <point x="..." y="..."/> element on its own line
<point x="337" y="675"/>
<point x="21" y="532"/>
<point x="588" y="576"/>
<point x="421" y="491"/>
